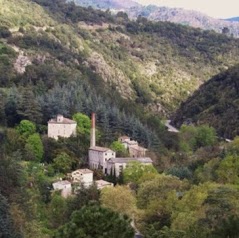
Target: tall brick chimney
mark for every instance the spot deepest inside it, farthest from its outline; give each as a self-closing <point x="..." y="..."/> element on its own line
<point x="92" y="133"/>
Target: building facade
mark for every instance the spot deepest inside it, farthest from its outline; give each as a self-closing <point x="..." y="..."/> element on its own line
<point x="82" y="176"/>
<point x="116" y="166"/>
<point x="61" y="127"/>
<point x="64" y="186"/>
<point x="133" y="147"/>
<point x="98" y="157"/>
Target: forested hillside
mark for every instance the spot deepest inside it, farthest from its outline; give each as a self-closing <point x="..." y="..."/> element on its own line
<point x="154" y="64"/>
<point x="215" y="103"/>
<point x="60" y="58"/>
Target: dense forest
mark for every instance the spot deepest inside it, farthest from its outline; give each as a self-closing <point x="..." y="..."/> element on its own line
<point x="60" y="58"/>
<point x="214" y="103"/>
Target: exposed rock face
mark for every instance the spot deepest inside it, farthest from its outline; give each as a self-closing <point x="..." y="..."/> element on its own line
<point x="110" y="74"/>
<point x="21" y="63"/>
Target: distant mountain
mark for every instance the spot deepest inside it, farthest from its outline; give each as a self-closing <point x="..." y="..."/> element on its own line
<point x="186" y="17"/>
<point x="233" y="19"/>
<point x="107" y="4"/>
<point x="215" y="103"/>
<point x="175" y="15"/>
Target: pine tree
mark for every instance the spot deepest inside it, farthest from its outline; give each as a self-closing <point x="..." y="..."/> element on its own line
<point x="28" y="108"/>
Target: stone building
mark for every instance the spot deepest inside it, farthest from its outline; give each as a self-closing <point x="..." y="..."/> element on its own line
<point x="82" y="176"/>
<point x="64" y="186"/>
<point x="133" y="147"/>
<point x="98" y="157"/>
<point x="103" y="184"/>
<point x="116" y="166"/>
<point x="61" y="127"/>
<point x="105" y="159"/>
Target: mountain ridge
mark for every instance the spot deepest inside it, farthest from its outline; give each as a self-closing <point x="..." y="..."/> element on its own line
<point x="175" y="15"/>
<point x="214" y="103"/>
<point x="154" y="64"/>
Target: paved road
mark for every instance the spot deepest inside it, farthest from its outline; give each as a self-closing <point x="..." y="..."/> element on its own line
<point x="170" y="127"/>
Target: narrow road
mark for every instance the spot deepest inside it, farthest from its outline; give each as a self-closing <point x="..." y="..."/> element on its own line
<point x="170" y="127"/>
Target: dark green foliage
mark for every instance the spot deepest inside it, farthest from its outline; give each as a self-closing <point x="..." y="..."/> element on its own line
<point x="215" y="103"/>
<point x="11" y="174"/>
<point x="180" y="172"/>
<point x="229" y="227"/>
<point x="4" y="32"/>
<point x="6" y="223"/>
<point x="95" y="221"/>
<point x="75" y="13"/>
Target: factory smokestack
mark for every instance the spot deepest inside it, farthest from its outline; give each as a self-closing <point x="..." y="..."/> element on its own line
<point x="92" y="133"/>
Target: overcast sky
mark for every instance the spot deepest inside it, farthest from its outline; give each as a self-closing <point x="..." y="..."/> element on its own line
<point x="214" y="8"/>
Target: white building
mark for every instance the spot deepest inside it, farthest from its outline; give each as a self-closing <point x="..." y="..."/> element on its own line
<point x="98" y="157"/>
<point x="133" y="147"/>
<point x="61" y="127"/>
<point x="103" y="184"/>
<point x="117" y="165"/>
<point x="82" y="176"/>
<point x="64" y="186"/>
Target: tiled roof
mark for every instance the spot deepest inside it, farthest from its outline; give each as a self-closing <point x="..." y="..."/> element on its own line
<point x="100" y="149"/>
<point x="64" y="121"/>
<point x="131" y="142"/>
<point x="102" y="182"/>
<point x="137" y="147"/>
<point x="83" y="171"/>
<point x="145" y="160"/>
<point x="62" y="182"/>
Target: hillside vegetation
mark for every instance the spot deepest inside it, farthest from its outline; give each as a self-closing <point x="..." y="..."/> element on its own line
<point x="175" y="15"/>
<point x="215" y="103"/>
<point x="57" y="58"/>
<point x="157" y="65"/>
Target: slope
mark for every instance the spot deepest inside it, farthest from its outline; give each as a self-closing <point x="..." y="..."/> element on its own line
<point x="215" y="103"/>
<point x="107" y="4"/>
<point x="185" y="17"/>
<point x="156" y="65"/>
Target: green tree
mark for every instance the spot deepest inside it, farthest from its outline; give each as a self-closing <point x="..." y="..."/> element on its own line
<point x="57" y="210"/>
<point x="233" y="147"/>
<point x="63" y="163"/>
<point x="120" y="199"/>
<point x="34" y="147"/>
<point x="228" y="171"/>
<point x="98" y="222"/>
<point x="28" y="107"/>
<point x="136" y="170"/>
<point x="83" y="123"/>
<point x="187" y="137"/>
<point x="206" y="136"/>
<point x="119" y="149"/>
<point x="26" y="128"/>
<point x="157" y="189"/>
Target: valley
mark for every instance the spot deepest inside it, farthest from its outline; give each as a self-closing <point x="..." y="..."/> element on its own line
<point x="152" y="160"/>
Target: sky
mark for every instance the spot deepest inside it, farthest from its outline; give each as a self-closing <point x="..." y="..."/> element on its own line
<point x="213" y="8"/>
